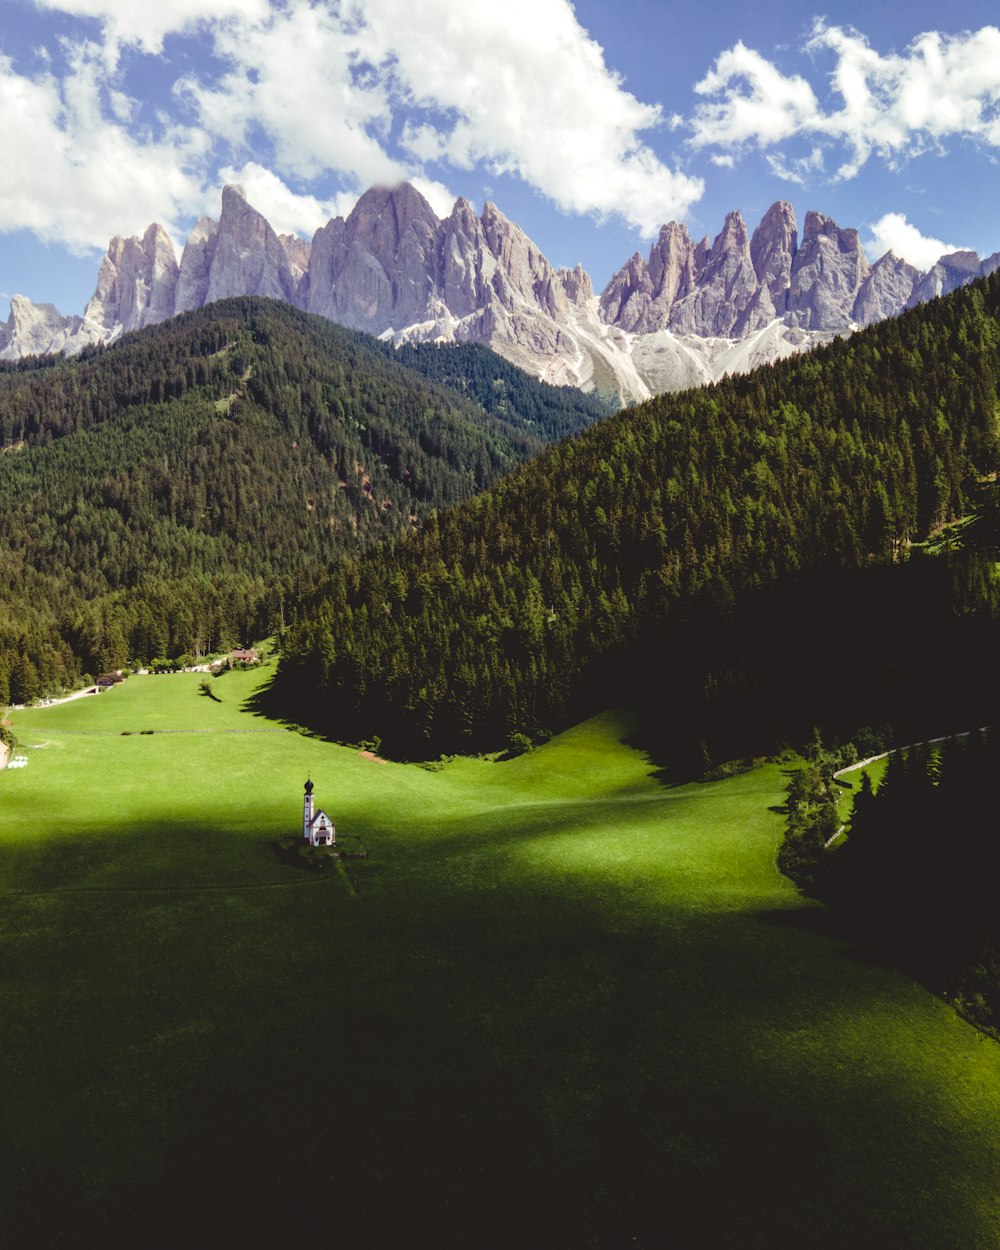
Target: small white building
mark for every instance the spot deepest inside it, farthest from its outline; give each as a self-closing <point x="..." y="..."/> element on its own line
<point x="317" y="827"/>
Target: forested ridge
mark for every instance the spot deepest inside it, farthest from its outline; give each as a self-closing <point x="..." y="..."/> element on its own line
<point x="170" y="493"/>
<point x="578" y="580"/>
<point x="550" y="412"/>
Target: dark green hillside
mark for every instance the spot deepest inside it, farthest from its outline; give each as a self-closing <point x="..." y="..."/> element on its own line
<point x="550" y="412"/>
<point x="915" y="877"/>
<point x="163" y="495"/>
<point x="581" y="578"/>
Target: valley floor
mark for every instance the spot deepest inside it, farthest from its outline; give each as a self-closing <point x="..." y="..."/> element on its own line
<point x="560" y="1005"/>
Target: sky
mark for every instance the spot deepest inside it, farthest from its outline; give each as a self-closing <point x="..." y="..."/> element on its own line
<point x="590" y="124"/>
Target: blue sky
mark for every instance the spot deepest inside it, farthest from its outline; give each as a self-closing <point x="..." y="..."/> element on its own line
<point x="590" y="124"/>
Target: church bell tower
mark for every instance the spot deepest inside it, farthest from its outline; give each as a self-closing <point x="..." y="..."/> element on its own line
<point x="307" y="810"/>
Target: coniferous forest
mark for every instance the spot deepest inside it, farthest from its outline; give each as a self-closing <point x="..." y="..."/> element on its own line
<point x="168" y="495"/>
<point x="914" y="877"/>
<point x="741" y="561"/>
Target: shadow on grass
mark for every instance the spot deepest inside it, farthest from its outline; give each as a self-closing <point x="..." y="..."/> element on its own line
<point x="531" y="1067"/>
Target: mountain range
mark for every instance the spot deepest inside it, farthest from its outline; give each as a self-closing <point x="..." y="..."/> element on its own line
<point x="690" y="312"/>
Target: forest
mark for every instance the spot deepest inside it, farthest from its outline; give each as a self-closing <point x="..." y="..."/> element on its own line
<point x="914" y="879"/>
<point x="740" y="561"/>
<point x="169" y="494"/>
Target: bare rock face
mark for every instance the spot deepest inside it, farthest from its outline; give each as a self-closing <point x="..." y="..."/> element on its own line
<point x="626" y="298"/>
<point x="827" y="273"/>
<point x="297" y="250"/>
<point x="518" y="272"/>
<point x="689" y="313"/>
<point x="326" y="258"/>
<point x="952" y="271"/>
<point x="757" y="314"/>
<point x="137" y="282"/>
<point x="725" y="288"/>
<point x="642" y="295"/>
<point x="577" y="284"/>
<point x="772" y="251"/>
<point x="249" y="258"/>
<point x="886" y="290"/>
<point x="196" y="265"/>
<point x="34" y="329"/>
<point x="461" y="285"/>
<point x="376" y="269"/>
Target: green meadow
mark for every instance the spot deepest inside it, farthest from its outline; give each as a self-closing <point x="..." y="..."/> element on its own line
<point x="561" y="1004"/>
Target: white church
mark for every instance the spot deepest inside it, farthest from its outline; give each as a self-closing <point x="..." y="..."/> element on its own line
<point x="317" y="827"/>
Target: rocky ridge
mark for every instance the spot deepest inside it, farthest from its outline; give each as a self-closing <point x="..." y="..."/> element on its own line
<point x="687" y="314"/>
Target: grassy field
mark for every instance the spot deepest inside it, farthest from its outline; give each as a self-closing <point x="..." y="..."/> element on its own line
<point x="560" y="1005"/>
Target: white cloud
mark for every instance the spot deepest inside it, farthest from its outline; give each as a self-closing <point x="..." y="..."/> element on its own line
<point x="894" y="233"/>
<point x="894" y="107"/>
<point x="70" y="172"/>
<point x="145" y="23"/>
<point x="469" y="83"/>
<point x="287" y="211"/>
<point x="754" y="102"/>
<point x="294" y="76"/>
<point x="574" y="134"/>
<point x="330" y="82"/>
<point x="798" y="170"/>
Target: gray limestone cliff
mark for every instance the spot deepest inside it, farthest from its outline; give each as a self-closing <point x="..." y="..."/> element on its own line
<point x="725" y="288"/>
<point x="952" y="271"/>
<point x="376" y="269"/>
<point x="196" y="265"/>
<point x="35" y="329"/>
<point x="826" y="275"/>
<point x="641" y="296"/>
<point x="772" y="252"/>
<point x="249" y="258"/>
<point x="137" y="282"/>
<point x="886" y="290"/>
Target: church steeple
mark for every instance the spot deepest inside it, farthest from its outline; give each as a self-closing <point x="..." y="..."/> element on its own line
<point x="307" y="810"/>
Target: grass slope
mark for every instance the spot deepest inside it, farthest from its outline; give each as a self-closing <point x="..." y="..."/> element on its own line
<point x="561" y="1005"/>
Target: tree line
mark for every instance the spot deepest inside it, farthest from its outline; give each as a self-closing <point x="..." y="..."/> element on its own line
<point x="914" y="878"/>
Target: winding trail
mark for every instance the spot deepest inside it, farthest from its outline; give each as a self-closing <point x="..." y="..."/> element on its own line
<point x="873" y="759"/>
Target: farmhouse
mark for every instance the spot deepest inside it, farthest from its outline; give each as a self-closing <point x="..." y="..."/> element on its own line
<point x="244" y="656"/>
<point x="317" y="827"/>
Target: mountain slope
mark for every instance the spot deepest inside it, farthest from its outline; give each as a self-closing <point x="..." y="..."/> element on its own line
<point x="161" y="495"/>
<point x="561" y="588"/>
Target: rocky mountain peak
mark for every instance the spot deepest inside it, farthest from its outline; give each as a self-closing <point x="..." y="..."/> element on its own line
<point x="642" y="295"/>
<point x="726" y="286"/>
<point x="827" y="273"/>
<point x="384" y="217"/>
<point x="772" y="251"/>
<point x="196" y="265"/>
<point x="248" y="256"/>
<point x="729" y="303"/>
<point x="297" y="250"/>
<point x="34" y="329"/>
<point x="377" y="269"/>
<point x="885" y="290"/>
<point x="136" y="284"/>
<point x="952" y="270"/>
<point x="577" y="284"/>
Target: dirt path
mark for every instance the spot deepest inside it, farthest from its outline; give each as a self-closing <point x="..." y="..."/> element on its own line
<point x="853" y="768"/>
<point x="67" y="698"/>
